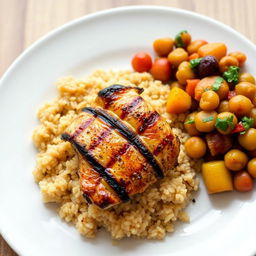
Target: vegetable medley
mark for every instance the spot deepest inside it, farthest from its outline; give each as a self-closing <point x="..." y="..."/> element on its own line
<point x="219" y="102"/>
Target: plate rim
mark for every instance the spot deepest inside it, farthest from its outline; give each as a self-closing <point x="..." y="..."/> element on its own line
<point x="88" y="17"/>
<point x="108" y="11"/>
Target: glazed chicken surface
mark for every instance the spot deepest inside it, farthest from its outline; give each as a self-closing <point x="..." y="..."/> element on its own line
<point x="123" y="146"/>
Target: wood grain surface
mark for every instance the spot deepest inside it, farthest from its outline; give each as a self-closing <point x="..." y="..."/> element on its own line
<point x="25" y="21"/>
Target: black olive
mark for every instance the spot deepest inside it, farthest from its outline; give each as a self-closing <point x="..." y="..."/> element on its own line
<point x="208" y="66"/>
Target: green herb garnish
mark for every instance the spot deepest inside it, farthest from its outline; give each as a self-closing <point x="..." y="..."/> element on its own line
<point x="225" y="123"/>
<point x="178" y="39"/>
<point x="208" y="119"/>
<point x="195" y="62"/>
<point x="247" y="123"/>
<point x="217" y="84"/>
<point x="190" y="121"/>
<point x="232" y="75"/>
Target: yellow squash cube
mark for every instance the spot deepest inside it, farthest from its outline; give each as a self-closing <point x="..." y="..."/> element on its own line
<point x="178" y="101"/>
<point x="217" y="177"/>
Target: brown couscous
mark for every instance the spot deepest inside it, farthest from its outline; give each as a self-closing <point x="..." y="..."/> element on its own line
<point x="148" y="215"/>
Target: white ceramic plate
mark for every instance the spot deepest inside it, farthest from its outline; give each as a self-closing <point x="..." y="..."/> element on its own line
<point x="220" y="224"/>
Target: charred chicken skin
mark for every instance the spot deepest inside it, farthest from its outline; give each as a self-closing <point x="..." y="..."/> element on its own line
<point x="123" y="146"/>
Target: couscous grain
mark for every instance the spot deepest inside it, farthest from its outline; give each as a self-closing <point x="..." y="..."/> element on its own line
<point x="148" y="215"/>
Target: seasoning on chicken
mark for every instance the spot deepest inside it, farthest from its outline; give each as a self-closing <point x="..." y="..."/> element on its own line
<point x="123" y="146"/>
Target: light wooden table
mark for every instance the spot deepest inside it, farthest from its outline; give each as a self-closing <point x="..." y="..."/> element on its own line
<point x="24" y="21"/>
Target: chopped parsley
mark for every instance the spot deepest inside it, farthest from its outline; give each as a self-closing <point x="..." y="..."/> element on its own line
<point x="217" y="84"/>
<point x="247" y="123"/>
<point x="178" y="39"/>
<point x="190" y="121"/>
<point x="194" y="63"/>
<point x="208" y="119"/>
<point x="232" y="74"/>
<point x="225" y="123"/>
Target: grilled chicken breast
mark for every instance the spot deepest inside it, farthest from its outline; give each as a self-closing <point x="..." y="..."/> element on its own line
<point x="123" y="146"/>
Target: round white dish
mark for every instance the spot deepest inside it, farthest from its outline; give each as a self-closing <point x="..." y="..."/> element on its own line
<point x="221" y="224"/>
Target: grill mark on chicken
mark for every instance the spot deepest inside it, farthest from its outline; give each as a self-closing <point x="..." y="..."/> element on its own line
<point x="87" y="198"/>
<point x="111" y="93"/>
<point x="99" y="139"/>
<point x="128" y="108"/>
<point x="163" y="143"/>
<point x="82" y="126"/>
<point x="129" y="135"/>
<point x="121" y="192"/>
<point x="120" y="152"/>
<point x="148" y="121"/>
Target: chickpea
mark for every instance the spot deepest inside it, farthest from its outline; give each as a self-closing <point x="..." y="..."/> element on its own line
<point x="205" y="121"/>
<point x="223" y="90"/>
<point x="195" y="147"/>
<point x="163" y="46"/>
<point x="226" y="62"/>
<point x="183" y="39"/>
<point x="209" y="100"/>
<point x="177" y="56"/>
<point x="248" y="140"/>
<point x="226" y="122"/>
<point x="176" y="84"/>
<point x="189" y="124"/>
<point x="252" y="167"/>
<point x="184" y="73"/>
<point x="235" y="160"/>
<point x="247" y="89"/>
<point x="207" y="84"/>
<point x="195" y="45"/>
<point x="223" y="106"/>
<point x="243" y="181"/>
<point x="240" y="105"/>
<point x="253" y="116"/>
<point x="193" y="56"/>
<point x="241" y="57"/>
<point x="186" y="38"/>
<point x="247" y="77"/>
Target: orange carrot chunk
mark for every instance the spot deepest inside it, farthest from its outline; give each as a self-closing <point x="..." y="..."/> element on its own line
<point x="191" y="85"/>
